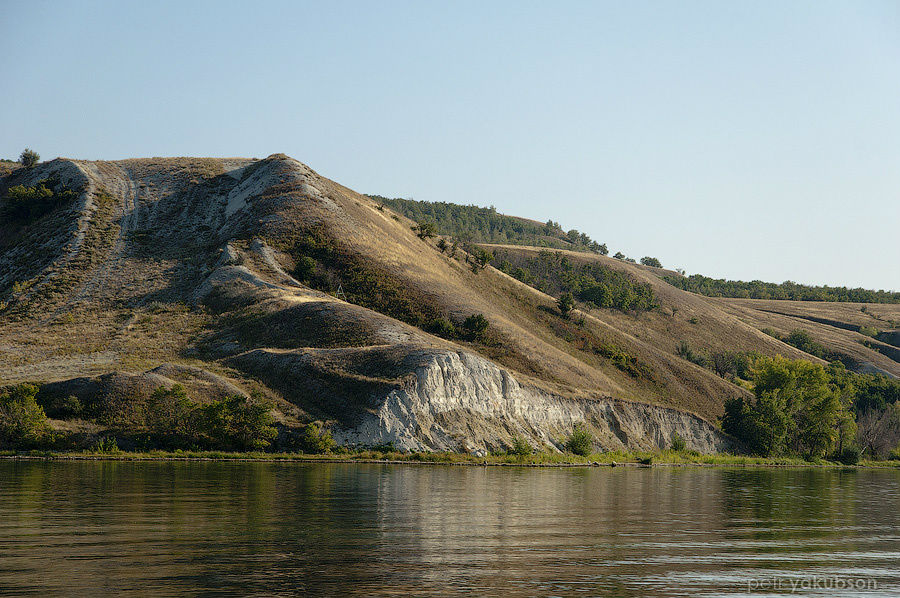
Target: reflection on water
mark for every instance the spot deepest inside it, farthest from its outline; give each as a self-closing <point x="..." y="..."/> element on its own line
<point x="86" y="528"/>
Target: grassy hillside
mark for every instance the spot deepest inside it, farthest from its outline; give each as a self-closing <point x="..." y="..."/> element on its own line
<point x="476" y="224"/>
<point x="263" y="279"/>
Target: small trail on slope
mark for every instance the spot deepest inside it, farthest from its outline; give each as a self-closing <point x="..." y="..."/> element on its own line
<point x="124" y="187"/>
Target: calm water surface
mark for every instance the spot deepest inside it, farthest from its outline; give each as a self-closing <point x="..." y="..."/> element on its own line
<point x="98" y="528"/>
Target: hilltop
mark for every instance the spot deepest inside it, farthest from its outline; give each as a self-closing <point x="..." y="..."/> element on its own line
<point x="240" y="276"/>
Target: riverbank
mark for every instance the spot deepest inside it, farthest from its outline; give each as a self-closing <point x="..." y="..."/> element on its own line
<point x="610" y="459"/>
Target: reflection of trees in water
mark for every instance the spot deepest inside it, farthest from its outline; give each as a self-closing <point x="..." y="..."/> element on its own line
<point x="789" y="503"/>
<point x="110" y="525"/>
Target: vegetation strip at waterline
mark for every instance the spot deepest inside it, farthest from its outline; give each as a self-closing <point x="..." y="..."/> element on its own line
<point x="609" y="459"/>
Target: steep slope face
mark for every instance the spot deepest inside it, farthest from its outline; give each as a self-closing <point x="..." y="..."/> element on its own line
<point x="240" y="269"/>
<point x="25" y="251"/>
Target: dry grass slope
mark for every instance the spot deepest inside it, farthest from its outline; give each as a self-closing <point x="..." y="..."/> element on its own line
<point x="202" y="266"/>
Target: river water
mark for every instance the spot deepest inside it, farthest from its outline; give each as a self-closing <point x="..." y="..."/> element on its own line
<point x="269" y="529"/>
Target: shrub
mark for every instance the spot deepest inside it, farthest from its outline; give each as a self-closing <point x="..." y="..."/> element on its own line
<point x="315" y="439"/>
<point x="678" y="443"/>
<point x="651" y="261"/>
<point x="106" y="444"/>
<point x="804" y="341"/>
<point x="22" y="421"/>
<point x="441" y="327"/>
<point x="65" y="407"/>
<point x="619" y="255"/>
<point x="565" y="303"/>
<point x="622" y="360"/>
<point x="727" y="364"/>
<point x="520" y="447"/>
<point x="29" y="203"/>
<point x="305" y="268"/>
<point x="685" y="351"/>
<point x="849" y="456"/>
<point x="29" y="157"/>
<point x="475" y="326"/>
<point x="869" y="331"/>
<point x="580" y="441"/>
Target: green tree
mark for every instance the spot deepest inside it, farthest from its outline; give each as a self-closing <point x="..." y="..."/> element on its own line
<point x="170" y="414"/>
<point x="798" y="409"/>
<point x="565" y="303"/>
<point x="315" y="439"/>
<point x="481" y="258"/>
<point x="651" y="261"/>
<point x="425" y="229"/>
<point x="23" y="422"/>
<point x="520" y="447"/>
<point x="238" y="422"/>
<point x="29" y="158"/>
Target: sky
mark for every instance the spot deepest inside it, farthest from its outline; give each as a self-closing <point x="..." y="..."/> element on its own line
<point x="742" y="140"/>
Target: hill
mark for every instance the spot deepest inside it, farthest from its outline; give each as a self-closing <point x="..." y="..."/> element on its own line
<point x="263" y="278"/>
<point x="484" y="225"/>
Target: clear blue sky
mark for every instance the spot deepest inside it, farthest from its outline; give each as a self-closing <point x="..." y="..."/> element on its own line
<point x="743" y="140"/>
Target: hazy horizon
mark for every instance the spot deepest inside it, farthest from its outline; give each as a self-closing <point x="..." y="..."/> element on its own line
<point x="742" y="141"/>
